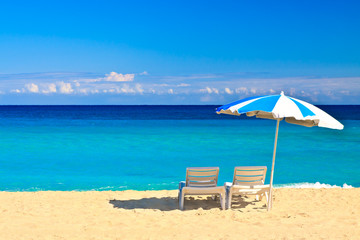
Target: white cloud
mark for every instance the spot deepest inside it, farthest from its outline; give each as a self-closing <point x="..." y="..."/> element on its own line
<point x="144" y="73"/>
<point x="324" y="90"/>
<point x="242" y="90"/>
<point x="31" y="87"/>
<point x="111" y="77"/>
<point x="215" y="90"/>
<point x="65" y="87"/>
<point x="183" y="85"/>
<point x="118" y="77"/>
<point x="87" y="91"/>
<point x="15" y="91"/>
<point x="228" y="91"/>
<point x="126" y="89"/>
<point x="139" y="88"/>
<point x="206" y="90"/>
<point x="87" y="80"/>
<point x="210" y="90"/>
<point x="49" y="88"/>
<point x="83" y="91"/>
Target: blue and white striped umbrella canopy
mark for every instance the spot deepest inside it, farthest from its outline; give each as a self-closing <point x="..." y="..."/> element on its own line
<point x="280" y="106"/>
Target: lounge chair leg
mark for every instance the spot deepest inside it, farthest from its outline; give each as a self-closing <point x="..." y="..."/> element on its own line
<point x="181" y="200"/>
<point x="268" y="201"/>
<point x="261" y="197"/>
<point x="222" y="201"/>
<point x="267" y="196"/>
<point x="229" y="200"/>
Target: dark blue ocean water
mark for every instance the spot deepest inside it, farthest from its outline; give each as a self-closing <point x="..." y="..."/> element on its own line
<point x="149" y="147"/>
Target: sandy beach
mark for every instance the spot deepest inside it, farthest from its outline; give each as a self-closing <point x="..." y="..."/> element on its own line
<point x="297" y="214"/>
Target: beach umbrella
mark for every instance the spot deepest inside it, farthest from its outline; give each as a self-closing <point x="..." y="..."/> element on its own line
<point x="279" y="107"/>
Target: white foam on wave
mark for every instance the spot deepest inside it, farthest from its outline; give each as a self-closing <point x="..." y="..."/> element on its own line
<point x="311" y="185"/>
<point x="107" y="188"/>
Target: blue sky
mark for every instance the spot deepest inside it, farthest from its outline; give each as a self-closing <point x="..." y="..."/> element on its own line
<point x="178" y="52"/>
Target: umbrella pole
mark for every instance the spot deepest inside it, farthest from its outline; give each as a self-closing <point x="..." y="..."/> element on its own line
<point x="269" y="205"/>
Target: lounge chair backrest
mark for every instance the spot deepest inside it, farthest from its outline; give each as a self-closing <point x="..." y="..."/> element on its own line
<point x="249" y="175"/>
<point x="202" y="176"/>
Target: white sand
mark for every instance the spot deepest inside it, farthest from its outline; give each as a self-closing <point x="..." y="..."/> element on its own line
<point x="296" y="214"/>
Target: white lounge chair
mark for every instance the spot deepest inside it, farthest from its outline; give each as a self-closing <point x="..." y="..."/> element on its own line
<point x="248" y="181"/>
<point x="201" y="181"/>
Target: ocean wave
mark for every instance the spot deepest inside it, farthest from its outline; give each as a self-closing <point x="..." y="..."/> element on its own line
<point x="107" y="188"/>
<point x="311" y="185"/>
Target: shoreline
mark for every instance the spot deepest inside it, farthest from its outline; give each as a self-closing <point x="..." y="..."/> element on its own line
<point x="331" y="213"/>
<point x="300" y="185"/>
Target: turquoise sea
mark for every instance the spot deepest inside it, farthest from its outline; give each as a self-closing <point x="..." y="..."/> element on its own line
<point x="149" y="147"/>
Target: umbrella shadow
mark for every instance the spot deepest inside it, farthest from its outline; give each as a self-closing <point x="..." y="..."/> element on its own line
<point x="166" y="203"/>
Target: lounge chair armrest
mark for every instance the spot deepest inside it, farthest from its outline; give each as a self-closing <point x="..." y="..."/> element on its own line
<point x="228" y="184"/>
<point x="182" y="184"/>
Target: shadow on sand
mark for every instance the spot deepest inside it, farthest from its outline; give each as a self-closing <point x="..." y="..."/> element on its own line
<point x="241" y="202"/>
<point x="171" y="203"/>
